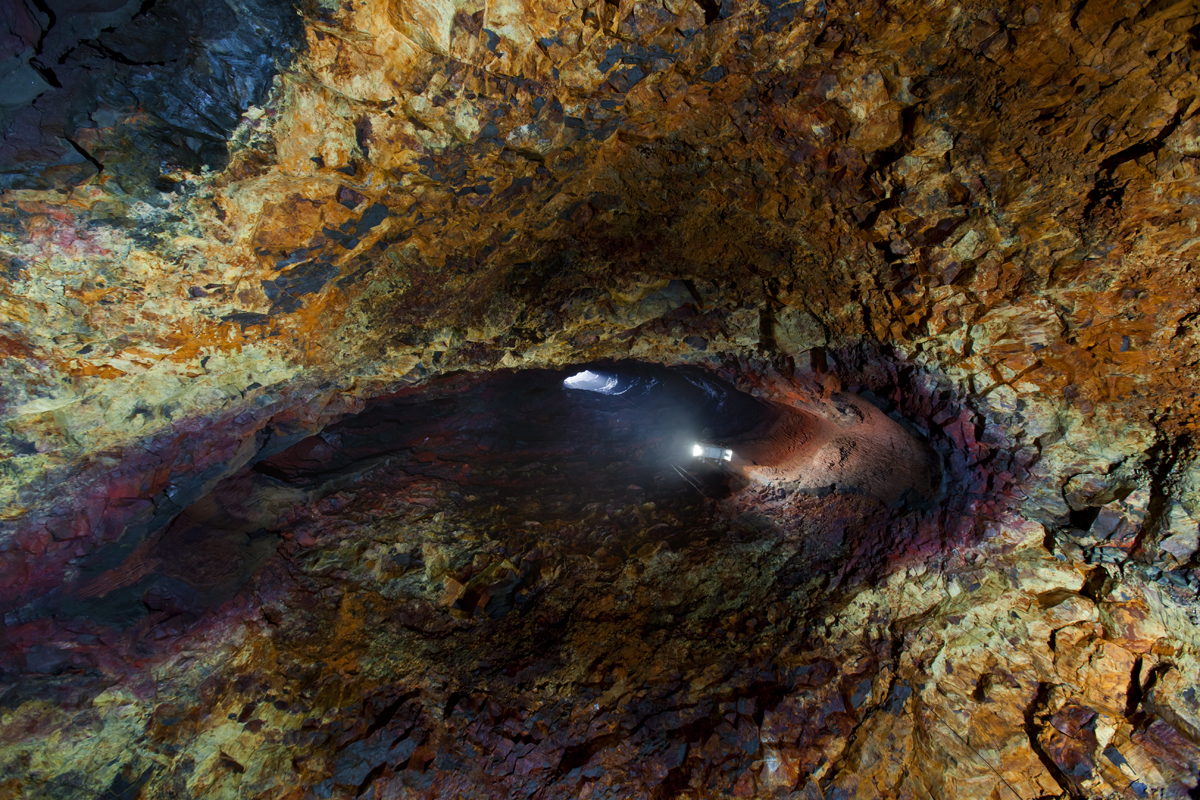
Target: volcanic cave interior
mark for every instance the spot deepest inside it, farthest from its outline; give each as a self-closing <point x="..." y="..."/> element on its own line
<point x="599" y="399"/>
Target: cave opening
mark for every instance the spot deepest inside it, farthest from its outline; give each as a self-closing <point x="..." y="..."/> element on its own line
<point x="604" y="458"/>
<point x="628" y="419"/>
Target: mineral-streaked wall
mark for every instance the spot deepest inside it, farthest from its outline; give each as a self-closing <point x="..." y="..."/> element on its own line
<point x="987" y="215"/>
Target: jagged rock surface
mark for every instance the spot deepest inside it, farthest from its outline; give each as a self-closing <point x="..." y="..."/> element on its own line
<point x="983" y="217"/>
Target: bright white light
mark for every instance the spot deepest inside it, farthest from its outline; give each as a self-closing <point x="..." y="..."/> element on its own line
<point x="592" y="382"/>
<point x="711" y="452"/>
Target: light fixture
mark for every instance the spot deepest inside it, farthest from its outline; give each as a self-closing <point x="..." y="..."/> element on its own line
<point x="710" y="452"/>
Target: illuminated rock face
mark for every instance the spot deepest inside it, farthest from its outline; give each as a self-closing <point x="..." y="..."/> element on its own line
<point x="230" y="228"/>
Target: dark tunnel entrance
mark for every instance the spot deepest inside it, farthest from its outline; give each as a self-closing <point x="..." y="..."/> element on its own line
<point x="632" y="421"/>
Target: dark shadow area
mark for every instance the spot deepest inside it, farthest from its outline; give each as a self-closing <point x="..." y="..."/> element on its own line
<point x="648" y="418"/>
<point x="132" y="88"/>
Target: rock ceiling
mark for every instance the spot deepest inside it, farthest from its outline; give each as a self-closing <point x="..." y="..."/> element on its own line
<point x="229" y="226"/>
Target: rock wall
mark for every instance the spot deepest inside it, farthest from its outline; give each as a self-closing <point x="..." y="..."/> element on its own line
<point x="227" y="226"/>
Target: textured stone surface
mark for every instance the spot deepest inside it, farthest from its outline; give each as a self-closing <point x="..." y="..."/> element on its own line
<point x="231" y="226"/>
